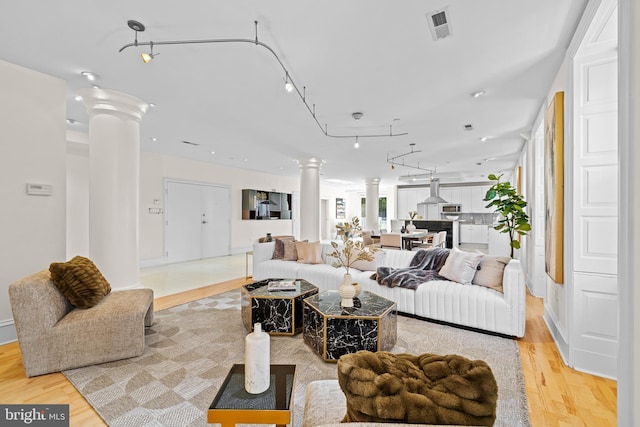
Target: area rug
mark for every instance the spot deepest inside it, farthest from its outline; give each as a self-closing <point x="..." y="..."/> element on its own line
<point x="190" y="348"/>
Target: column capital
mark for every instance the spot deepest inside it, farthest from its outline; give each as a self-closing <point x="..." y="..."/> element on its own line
<point x="310" y="163"/>
<point x="372" y="181"/>
<point x="107" y="101"/>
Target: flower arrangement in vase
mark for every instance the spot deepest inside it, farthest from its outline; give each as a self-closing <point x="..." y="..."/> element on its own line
<point x="348" y="253"/>
<point x="410" y="227"/>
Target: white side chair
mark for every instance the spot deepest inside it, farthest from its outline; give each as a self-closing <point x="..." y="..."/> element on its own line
<point x="442" y="238"/>
<point x="434" y="243"/>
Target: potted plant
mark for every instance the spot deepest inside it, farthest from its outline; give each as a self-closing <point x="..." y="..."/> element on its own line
<point x="510" y="205"/>
<point x="348" y="253"/>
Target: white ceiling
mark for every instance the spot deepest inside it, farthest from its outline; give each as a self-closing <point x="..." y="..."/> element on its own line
<point x="375" y="57"/>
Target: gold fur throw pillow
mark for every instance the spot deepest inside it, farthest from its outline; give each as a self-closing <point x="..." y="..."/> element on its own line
<point x="424" y="389"/>
<point x="80" y="281"/>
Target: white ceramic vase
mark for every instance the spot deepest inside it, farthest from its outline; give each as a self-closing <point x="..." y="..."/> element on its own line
<point x="257" y="366"/>
<point x="410" y="227"/>
<point x="347" y="291"/>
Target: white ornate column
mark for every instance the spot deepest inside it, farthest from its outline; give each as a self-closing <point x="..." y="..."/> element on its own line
<point x="114" y="162"/>
<point x="372" y="195"/>
<point x="310" y="198"/>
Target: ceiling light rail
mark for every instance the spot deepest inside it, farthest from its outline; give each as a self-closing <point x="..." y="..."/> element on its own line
<point x="394" y="160"/>
<point x="290" y="85"/>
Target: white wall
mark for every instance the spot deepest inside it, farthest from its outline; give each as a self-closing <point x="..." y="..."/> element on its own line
<point x="32" y="150"/>
<point x="154" y="169"/>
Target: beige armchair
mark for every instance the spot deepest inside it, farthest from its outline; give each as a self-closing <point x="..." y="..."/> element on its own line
<point x="53" y="335"/>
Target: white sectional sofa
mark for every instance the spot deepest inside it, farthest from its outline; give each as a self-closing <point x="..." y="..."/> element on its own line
<point x="443" y="300"/>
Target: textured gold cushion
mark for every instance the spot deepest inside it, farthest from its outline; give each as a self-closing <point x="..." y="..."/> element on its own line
<point x="420" y="389"/>
<point x="80" y="281"/>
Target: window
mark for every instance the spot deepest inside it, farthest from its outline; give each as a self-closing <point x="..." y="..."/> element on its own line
<point x="382" y="213"/>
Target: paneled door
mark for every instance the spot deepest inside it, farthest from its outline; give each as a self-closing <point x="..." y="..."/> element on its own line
<point x="197" y="222"/>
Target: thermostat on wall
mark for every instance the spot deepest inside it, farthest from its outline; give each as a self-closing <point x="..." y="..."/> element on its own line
<point x="39" y="189"/>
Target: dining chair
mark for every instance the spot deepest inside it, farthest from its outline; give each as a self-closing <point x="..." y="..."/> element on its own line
<point x="391" y="241"/>
<point x="442" y="238"/>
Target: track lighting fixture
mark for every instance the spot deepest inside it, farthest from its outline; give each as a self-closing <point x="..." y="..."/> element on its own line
<point x="289" y="83"/>
<point x="147" y="57"/>
<point x="356" y="144"/>
<point x="394" y="160"/>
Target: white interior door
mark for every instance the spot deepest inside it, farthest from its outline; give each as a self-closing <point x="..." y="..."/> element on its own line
<point x="183" y="222"/>
<point x="216" y="221"/>
<point x="197" y="221"/>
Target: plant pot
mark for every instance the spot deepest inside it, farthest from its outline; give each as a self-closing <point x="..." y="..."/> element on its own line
<point x="347" y="291"/>
<point x="358" y="289"/>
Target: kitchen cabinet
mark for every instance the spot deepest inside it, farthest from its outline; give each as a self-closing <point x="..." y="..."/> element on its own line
<point x="474" y="233"/>
<point x="407" y="201"/>
<point x="477" y="199"/>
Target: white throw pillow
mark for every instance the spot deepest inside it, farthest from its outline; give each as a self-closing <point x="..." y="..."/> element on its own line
<point x="460" y="266"/>
<point x="369" y="265"/>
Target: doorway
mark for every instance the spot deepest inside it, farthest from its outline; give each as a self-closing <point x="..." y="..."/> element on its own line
<point x="197" y="221"/>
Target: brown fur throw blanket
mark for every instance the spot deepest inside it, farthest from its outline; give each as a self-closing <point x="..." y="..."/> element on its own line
<point x="424" y="266"/>
<point x="424" y="389"/>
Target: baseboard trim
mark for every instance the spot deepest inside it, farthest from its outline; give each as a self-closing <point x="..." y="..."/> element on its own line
<point x="7" y="332"/>
<point x="561" y="344"/>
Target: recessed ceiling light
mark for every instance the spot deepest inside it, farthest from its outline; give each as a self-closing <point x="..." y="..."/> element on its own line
<point x="478" y="94"/>
<point x="468" y="127"/>
<point x="484" y="138"/>
<point x="95" y="86"/>
<point x="71" y="121"/>
<point x="153" y="138"/>
<point x="213" y="152"/>
<point x="89" y="75"/>
<point x="78" y="98"/>
<point x="151" y="104"/>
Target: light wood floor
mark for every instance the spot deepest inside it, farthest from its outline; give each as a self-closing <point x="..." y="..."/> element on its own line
<point x="557" y="395"/>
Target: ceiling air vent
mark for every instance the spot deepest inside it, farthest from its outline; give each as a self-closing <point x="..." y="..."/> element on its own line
<point x="439" y="24"/>
<point x="190" y="143"/>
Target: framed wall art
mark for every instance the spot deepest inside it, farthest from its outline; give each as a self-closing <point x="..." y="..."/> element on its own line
<point x="340" y="208"/>
<point x="554" y="187"/>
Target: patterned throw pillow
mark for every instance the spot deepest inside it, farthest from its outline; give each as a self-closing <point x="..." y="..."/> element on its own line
<point x="80" y="281"/>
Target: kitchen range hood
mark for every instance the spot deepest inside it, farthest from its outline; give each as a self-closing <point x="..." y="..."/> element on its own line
<point x="434" y="191"/>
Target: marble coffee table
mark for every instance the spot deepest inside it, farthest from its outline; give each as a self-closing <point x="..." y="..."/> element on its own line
<point x="279" y="312"/>
<point x="332" y="330"/>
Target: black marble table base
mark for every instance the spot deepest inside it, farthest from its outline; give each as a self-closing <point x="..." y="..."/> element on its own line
<point x="279" y="313"/>
<point x="332" y="331"/>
